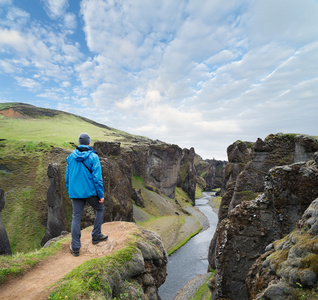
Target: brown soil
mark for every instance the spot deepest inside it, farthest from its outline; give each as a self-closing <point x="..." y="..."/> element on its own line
<point x="12" y="114"/>
<point x="36" y="283"/>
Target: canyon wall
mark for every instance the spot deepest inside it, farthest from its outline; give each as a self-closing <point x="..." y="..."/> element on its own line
<point x="263" y="200"/>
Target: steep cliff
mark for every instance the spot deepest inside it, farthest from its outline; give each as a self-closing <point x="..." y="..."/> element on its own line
<point x="187" y="173"/>
<point x="243" y="234"/>
<point x="159" y="165"/>
<point x="214" y="177"/>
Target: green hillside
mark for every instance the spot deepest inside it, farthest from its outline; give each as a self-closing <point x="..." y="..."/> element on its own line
<point x="31" y="123"/>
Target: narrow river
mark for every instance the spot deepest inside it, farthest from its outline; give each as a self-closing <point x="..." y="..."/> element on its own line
<point x="191" y="260"/>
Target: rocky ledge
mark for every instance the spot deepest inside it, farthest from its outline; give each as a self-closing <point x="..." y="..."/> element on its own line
<point x="131" y="264"/>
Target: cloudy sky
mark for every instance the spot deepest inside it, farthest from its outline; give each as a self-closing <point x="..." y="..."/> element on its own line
<point x="197" y="73"/>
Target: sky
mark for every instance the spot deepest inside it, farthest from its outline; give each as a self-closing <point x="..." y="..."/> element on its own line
<point x="196" y="73"/>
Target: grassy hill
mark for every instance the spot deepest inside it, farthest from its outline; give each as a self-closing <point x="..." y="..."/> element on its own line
<point x="23" y="122"/>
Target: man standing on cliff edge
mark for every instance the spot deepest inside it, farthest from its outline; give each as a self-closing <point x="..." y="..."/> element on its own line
<point x="84" y="183"/>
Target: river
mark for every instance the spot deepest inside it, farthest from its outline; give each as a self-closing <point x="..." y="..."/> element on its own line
<point x="191" y="260"/>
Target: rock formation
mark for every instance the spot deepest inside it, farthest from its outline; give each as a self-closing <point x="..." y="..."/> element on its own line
<point x="187" y="173"/>
<point x="159" y="166"/>
<point x="147" y="269"/>
<point x="56" y="220"/>
<point x="117" y="173"/>
<point x="275" y="150"/>
<point x="245" y="230"/>
<point x="215" y="175"/>
<point x="4" y="241"/>
<point x="209" y="173"/>
<point x="132" y="266"/>
<point x="288" y="270"/>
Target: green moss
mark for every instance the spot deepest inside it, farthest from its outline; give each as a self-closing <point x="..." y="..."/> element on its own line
<point x="247" y="195"/>
<point x="198" y="191"/>
<point x="203" y="292"/>
<point x="94" y="278"/>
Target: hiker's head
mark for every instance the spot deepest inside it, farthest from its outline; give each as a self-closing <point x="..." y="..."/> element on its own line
<point x="84" y="139"/>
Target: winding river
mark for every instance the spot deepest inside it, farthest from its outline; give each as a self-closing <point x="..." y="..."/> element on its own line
<point x="191" y="260"/>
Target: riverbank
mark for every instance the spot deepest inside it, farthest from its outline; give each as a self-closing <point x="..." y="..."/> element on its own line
<point x="175" y="232"/>
<point x="215" y="202"/>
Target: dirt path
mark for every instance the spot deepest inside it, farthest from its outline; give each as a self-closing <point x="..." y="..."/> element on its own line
<point x="36" y="283"/>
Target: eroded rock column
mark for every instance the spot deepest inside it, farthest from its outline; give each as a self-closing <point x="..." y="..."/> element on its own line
<point x="5" y="248"/>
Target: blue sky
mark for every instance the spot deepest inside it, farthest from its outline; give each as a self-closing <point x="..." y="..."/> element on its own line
<point x="197" y="73"/>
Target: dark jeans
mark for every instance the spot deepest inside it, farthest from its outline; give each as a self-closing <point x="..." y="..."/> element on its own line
<point x="78" y="207"/>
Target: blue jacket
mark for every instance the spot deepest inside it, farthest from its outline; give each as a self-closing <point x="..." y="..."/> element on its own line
<point x="81" y="181"/>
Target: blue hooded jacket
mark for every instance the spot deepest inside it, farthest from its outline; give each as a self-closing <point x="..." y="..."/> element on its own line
<point x="81" y="181"/>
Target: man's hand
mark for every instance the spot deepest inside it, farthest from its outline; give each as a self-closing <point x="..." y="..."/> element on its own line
<point x="101" y="200"/>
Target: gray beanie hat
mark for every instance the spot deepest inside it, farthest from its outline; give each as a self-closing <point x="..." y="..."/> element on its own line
<point x="84" y="139"/>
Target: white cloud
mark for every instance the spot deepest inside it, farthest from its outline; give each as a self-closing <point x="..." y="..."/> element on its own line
<point x="28" y="83"/>
<point x="6" y="67"/>
<point x="70" y="21"/>
<point x="11" y="39"/>
<point x="55" y="8"/>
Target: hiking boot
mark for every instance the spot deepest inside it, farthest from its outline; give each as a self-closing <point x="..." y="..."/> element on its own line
<point x="74" y="252"/>
<point x="101" y="238"/>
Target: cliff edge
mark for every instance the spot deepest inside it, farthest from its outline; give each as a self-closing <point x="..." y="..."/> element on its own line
<point x="131" y="262"/>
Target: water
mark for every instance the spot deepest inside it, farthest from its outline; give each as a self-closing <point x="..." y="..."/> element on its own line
<point x="191" y="260"/>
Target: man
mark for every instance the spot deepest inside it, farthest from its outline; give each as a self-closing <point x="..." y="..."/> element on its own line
<point x="84" y="183"/>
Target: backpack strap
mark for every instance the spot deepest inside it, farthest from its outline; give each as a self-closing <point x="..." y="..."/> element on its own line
<point x="87" y="167"/>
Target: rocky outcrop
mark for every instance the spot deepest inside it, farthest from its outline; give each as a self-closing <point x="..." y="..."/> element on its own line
<point x="239" y="153"/>
<point x="144" y="273"/>
<point x="56" y="220"/>
<point x="243" y="236"/>
<point x="164" y="166"/>
<point x="209" y="173"/>
<point x="5" y="248"/>
<point x="288" y="270"/>
<point x="275" y="150"/>
<point x="187" y="173"/>
<point x="131" y="264"/>
<point x="240" y="238"/>
<point x="117" y="173"/>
